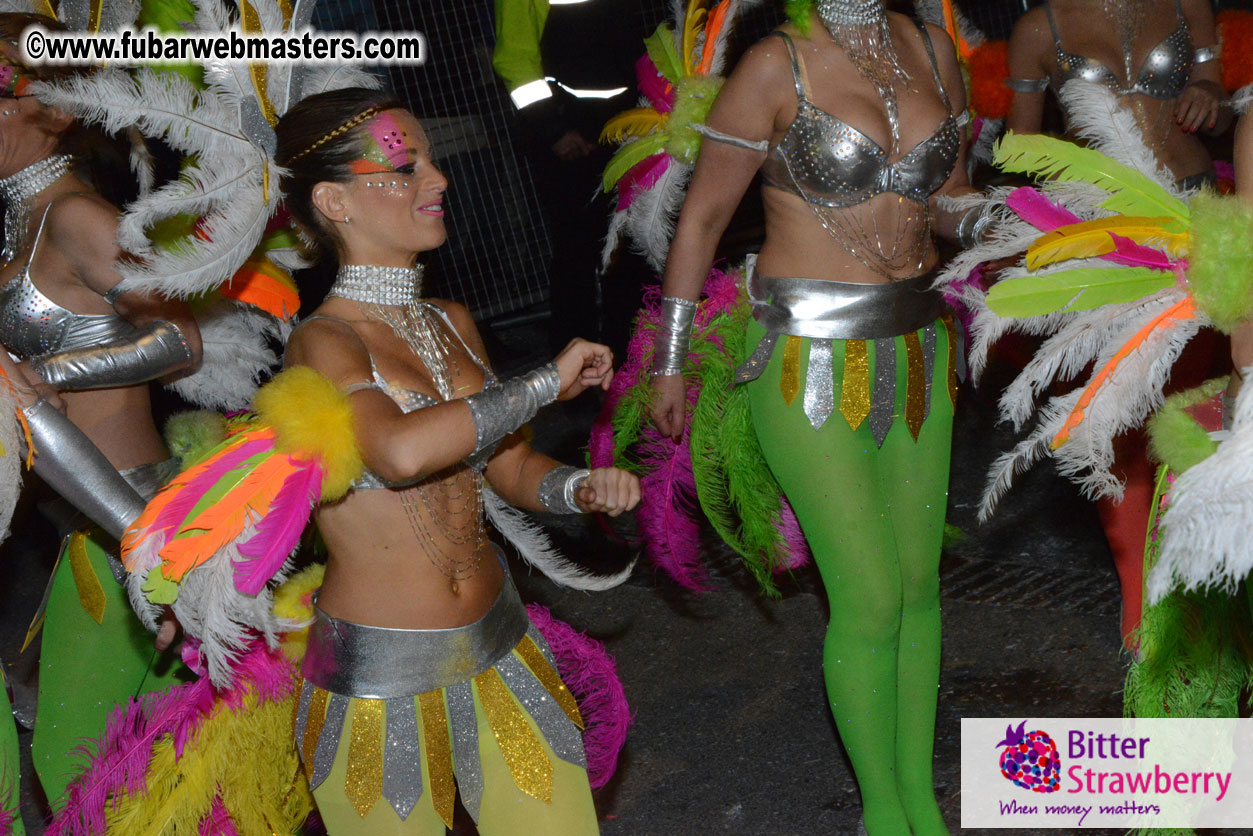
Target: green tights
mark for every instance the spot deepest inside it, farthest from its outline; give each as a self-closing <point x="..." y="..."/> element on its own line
<point x="874" y="520"/>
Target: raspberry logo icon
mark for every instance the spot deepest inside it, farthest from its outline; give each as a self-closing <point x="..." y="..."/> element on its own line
<point x="1030" y="759"/>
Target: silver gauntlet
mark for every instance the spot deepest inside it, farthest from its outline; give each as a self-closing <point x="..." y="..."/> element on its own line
<point x="75" y="468"/>
<point x="973" y="226"/>
<point x="502" y="409"/>
<point x="556" y="489"/>
<point x="149" y="352"/>
<point x="673" y="335"/>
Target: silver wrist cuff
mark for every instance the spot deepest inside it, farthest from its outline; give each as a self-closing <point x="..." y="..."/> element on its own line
<point x="674" y="333"/>
<point x="973" y="226"/>
<point x="75" y="468"/>
<point x="152" y="351"/>
<point x="556" y="489"/>
<point x="1205" y="54"/>
<point x="1027" y="85"/>
<point x="503" y="409"/>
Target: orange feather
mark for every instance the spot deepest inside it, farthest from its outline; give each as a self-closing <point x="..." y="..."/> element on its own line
<point x="1181" y="311"/>
<point x="264" y="286"/>
<point x="713" y="27"/>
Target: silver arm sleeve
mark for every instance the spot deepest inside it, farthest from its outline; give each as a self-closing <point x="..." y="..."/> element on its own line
<point x="556" y="489"/>
<point x="151" y="351"/>
<point x="674" y="333"/>
<point x="75" y="468"/>
<point x="502" y="409"/>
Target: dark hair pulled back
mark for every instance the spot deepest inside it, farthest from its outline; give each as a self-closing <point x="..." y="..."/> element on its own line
<point x="317" y="140"/>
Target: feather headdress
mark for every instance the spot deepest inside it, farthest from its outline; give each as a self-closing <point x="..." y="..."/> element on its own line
<point x="1125" y="273"/>
<point x="679" y="77"/>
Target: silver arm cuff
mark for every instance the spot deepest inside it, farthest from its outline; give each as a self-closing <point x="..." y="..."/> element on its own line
<point x="674" y="333"/>
<point x="502" y="409"/>
<point x="154" y="350"/>
<point x="75" y="468"/>
<point x="1205" y="54"/>
<point x="1027" y="85"/>
<point x="556" y="489"/>
<point x="761" y="146"/>
<point x="973" y="226"/>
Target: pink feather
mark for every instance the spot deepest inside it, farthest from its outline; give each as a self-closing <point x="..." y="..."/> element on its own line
<point x="590" y="673"/>
<point x="1038" y="210"/>
<point x="796" y="554"/>
<point x="640" y="178"/>
<point x="668" y="506"/>
<point x="653" y="85"/>
<point x="1130" y="253"/>
<point x="279" y="531"/>
<point x="7" y="816"/>
<point x="218" y="822"/>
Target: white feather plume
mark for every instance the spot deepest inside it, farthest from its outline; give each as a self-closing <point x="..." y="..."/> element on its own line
<point x="143" y="558"/>
<point x="1204" y="533"/>
<point x="536" y="549"/>
<point x="237" y="355"/>
<point x="1097" y="119"/>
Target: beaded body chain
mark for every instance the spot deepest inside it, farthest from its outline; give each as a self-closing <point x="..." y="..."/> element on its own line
<point x="446" y="509"/>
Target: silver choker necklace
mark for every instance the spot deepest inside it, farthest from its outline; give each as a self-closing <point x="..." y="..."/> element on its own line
<point x="850" y="12"/>
<point x="374" y="285"/>
<point x="17" y="190"/>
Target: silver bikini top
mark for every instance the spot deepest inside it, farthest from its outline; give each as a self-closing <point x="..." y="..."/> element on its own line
<point x="32" y="325"/>
<point x="826" y="161"/>
<point x="1163" y="75"/>
<point x="411" y="401"/>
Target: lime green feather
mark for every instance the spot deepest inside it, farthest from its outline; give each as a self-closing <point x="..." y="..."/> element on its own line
<point x="664" y="54"/>
<point x="1220" y="259"/>
<point x="1131" y="193"/>
<point x="192" y="435"/>
<point x="798" y="11"/>
<point x="229" y="481"/>
<point x="1175" y="438"/>
<point x="630" y="155"/>
<point x="1081" y="289"/>
<point x="692" y="102"/>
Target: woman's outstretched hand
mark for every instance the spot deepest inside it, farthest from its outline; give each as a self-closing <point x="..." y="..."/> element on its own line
<point x="608" y="490"/>
<point x="669" y="405"/>
<point x="583" y="365"/>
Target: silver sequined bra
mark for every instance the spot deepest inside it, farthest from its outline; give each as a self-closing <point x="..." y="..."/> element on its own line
<point x="1163" y="75"/>
<point x="826" y="161"/>
<point x="32" y="325"/>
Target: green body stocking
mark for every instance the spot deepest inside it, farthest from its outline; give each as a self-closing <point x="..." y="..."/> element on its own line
<point x="10" y="765"/>
<point x="874" y="520"/>
<point x="85" y="667"/>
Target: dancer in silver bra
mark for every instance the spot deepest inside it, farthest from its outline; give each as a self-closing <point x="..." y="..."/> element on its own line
<point x="854" y="117"/>
<point x="63" y="312"/>
<point x="419" y="636"/>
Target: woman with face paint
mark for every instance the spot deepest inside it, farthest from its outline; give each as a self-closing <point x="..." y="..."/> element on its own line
<point x="65" y="314"/>
<point x="424" y="678"/>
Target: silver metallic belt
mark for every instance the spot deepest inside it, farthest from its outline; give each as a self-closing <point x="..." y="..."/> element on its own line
<point x="358" y="660"/>
<point x="843" y="310"/>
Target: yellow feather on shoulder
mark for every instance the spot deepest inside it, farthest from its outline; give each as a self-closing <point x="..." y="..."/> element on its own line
<point x="293" y="602"/>
<point x="1093" y="238"/>
<point x="313" y="419"/>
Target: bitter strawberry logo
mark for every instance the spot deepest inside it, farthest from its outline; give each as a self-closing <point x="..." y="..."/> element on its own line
<point x="1030" y="759"/>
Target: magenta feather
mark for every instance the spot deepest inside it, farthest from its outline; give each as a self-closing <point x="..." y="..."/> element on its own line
<point x="653" y="85"/>
<point x="1038" y="210"/>
<point x="590" y="673"/>
<point x="120" y="761"/>
<point x="976" y="278"/>
<point x="797" y="553"/>
<point x="667" y="509"/>
<point x="1131" y="254"/>
<point x="218" y="821"/>
<point x="640" y="178"/>
<point x="175" y="513"/>
<point x="278" y="533"/>
<point x="7" y="816"/>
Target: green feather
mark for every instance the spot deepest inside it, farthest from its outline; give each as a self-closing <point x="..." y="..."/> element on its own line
<point x="664" y="54"/>
<point x="192" y="435"/>
<point x="1175" y="438"/>
<point x="692" y="103"/>
<point x="1220" y="259"/>
<point x="1081" y="289"/>
<point x="1131" y="193"/>
<point x="798" y="11"/>
<point x="630" y="155"/>
<point x="230" y="480"/>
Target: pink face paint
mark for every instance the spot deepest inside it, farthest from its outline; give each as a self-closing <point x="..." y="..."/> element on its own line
<point x="386" y="148"/>
<point x="12" y="83"/>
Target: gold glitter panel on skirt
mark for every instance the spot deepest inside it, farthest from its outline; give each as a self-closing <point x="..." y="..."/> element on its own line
<point x="313" y="728"/>
<point x="855" y="388"/>
<point x="548" y="677"/>
<point x="915" y="384"/>
<point x="790" y="382"/>
<point x="364" y="784"/>
<point x="526" y="759"/>
<point x="438" y="753"/>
